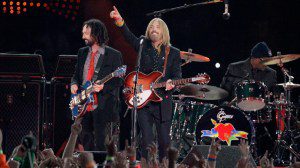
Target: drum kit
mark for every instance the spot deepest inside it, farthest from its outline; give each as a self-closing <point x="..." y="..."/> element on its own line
<point x="197" y="114"/>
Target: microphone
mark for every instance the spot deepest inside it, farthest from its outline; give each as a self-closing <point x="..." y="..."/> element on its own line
<point x="226" y="14"/>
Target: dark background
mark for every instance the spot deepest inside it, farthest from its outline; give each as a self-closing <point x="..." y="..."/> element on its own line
<point x="200" y="28"/>
<point x="50" y="32"/>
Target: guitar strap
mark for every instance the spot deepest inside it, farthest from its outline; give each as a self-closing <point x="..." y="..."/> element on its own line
<point x="98" y="66"/>
<point x="167" y="52"/>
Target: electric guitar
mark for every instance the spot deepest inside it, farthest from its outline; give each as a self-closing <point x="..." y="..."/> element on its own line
<point x="148" y="83"/>
<point x="85" y="96"/>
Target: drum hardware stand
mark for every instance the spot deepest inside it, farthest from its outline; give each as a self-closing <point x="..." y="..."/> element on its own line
<point x="188" y="60"/>
<point x="280" y="142"/>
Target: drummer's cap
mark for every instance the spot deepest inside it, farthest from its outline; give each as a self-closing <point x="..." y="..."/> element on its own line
<point x="261" y="50"/>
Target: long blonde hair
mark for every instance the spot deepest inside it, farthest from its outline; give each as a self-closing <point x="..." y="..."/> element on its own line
<point x="165" y="31"/>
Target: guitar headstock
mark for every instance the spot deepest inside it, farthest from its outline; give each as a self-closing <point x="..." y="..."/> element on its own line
<point x="202" y="78"/>
<point x="121" y="71"/>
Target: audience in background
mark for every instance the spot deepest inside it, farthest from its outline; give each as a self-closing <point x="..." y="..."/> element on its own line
<point x="120" y="159"/>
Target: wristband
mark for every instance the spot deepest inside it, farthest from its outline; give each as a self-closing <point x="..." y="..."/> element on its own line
<point x="212" y="156"/>
<point x="132" y="158"/>
<point x="1" y="151"/>
<point x="132" y="164"/>
<point x="211" y="159"/>
<point x="119" y="22"/>
<point x="109" y="158"/>
<point x="17" y="158"/>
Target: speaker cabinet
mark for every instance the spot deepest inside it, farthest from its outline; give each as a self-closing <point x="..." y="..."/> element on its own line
<point x="20" y="110"/>
<point x="62" y="117"/>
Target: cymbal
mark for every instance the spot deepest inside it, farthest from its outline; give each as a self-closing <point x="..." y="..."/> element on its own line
<point x="289" y="85"/>
<point x="204" y="92"/>
<point x="280" y="59"/>
<point x="191" y="57"/>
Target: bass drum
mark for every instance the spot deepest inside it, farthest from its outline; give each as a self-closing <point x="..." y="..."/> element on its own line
<point x="227" y="124"/>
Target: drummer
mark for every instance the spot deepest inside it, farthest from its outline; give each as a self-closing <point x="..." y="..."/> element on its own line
<point x="250" y="69"/>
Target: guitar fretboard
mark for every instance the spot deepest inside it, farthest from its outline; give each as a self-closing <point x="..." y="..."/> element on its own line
<point x="102" y="81"/>
<point x="174" y="82"/>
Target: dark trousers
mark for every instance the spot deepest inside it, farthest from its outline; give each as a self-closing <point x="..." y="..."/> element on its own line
<point x="147" y="117"/>
<point x="94" y="131"/>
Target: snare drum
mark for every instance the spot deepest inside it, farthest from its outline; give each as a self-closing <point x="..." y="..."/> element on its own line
<point x="227" y="124"/>
<point x="250" y="95"/>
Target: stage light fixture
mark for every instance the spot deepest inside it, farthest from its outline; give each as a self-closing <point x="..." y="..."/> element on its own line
<point x="4" y="3"/>
<point x="31" y="4"/>
<point x="38" y="4"/>
<point x="11" y="2"/>
<point x="18" y="3"/>
<point x="24" y="9"/>
<point x="24" y="3"/>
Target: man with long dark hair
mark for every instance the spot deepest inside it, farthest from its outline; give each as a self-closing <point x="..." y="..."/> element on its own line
<point x="97" y="123"/>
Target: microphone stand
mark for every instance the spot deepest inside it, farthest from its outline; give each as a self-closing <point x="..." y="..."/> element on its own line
<point x="135" y="96"/>
<point x="185" y="6"/>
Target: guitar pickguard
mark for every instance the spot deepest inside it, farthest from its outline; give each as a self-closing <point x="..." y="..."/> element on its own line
<point x="141" y="97"/>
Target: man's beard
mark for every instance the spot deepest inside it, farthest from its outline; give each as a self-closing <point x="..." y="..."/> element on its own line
<point x="89" y="42"/>
<point x="155" y="37"/>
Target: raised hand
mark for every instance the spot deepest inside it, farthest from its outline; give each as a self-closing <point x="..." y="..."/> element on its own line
<point x="115" y="14"/>
<point x="215" y="146"/>
<point x="244" y="147"/>
<point x="110" y="146"/>
<point x="77" y="127"/>
<point x="264" y="161"/>
<point x="131" y="150"/>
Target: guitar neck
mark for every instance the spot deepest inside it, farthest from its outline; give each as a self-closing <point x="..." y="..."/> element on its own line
<point x="174" y="82"/>
<point x="105" y="79"/>
<point x="99" y="82"/>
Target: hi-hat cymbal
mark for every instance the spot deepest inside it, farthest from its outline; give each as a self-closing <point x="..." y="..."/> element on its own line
<point x="289" y="85"/>
<point x="280" y="59"/>
<point x="191" y="57"/>
<point x="203" y="92"/>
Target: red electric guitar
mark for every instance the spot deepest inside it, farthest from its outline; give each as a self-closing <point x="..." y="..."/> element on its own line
<point x="148" y="83"/>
